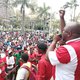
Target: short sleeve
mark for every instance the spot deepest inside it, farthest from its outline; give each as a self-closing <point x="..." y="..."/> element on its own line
<point x="59" y="55"/>
<point x="63" y="55"/>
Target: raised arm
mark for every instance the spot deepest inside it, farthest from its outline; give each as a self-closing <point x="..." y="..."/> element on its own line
<point x="62" y="21"/>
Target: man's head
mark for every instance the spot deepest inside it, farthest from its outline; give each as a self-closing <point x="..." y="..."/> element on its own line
<point x="71" y="31"/>
<point x="10" y="53"/>
<point x="24" y="57"/>
<point x="42" y="47"/>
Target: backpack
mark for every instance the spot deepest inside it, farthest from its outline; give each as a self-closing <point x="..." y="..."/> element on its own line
<point x="31" y="73"/>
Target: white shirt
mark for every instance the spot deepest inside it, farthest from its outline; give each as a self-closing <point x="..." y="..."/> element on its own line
<point x="10" y="61"/>
<point x="22" y="73"/>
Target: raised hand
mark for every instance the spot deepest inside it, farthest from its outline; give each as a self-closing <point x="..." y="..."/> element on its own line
<point x="62" y="21"/>
<point x="61" y="13"/>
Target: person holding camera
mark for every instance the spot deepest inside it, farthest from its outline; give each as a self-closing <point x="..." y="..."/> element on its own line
<point x="66" y="58"/>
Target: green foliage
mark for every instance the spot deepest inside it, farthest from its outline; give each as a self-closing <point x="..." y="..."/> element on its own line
<point x="39" y="26"/>
<point x="72" y="4"/>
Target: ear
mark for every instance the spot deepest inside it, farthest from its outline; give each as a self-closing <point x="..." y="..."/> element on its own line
<point x="69" y="34"/>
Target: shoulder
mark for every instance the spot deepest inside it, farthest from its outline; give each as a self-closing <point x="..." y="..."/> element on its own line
<point x="41" y="62"/>
<point x="61" y="49"/>
<point x="63" y="53"/>
<point x="12" y="57"/>
<point x="22" y="74"/>
<point x="59" y="55"/>
<point x="22" y="70"/>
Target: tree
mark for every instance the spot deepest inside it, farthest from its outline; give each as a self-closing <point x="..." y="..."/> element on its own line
<point x="24" y="3"/>
<point x="6" y="11"/>
<point x="43" y="14"/>
<point x="72" y="5"/>
<point x="43" y="11"/>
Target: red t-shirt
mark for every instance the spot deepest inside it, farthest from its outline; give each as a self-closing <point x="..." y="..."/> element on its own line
<point x="33" y="56"/>
<point x="2" y="69"/>
<point x="44" y="69"/>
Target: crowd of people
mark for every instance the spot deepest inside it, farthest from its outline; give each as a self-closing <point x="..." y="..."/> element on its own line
<point x="32" y="57"/>
<point x="13" y="45"/>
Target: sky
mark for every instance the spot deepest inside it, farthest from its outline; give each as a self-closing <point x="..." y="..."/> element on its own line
<point x="56" y="5"/>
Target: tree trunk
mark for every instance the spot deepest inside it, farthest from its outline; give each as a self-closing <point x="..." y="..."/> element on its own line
<point x="23" y="20"/>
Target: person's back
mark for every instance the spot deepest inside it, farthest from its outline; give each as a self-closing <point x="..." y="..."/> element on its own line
<point x="66" y="58"/>
<point x="44" y="69"/>
<point x="23" y="73"/>
<point x="44" y="66"/>
<point x="69" y="67"/>
<point x="75" y="63"/>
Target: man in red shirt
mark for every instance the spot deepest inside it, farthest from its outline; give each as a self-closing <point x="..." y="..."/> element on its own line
<point x="44" y="67"/>
<point x="2" y="68"/>
<point x="66" y="58"/>
<point x="32" y="56"/>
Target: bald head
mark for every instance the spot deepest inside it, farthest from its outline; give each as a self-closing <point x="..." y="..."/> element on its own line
<point x="71" y="31"/>
<point x="74" y="27"/>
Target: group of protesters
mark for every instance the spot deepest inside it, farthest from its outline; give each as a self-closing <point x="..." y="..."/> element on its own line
<point x="32" y="53"/>
<point x="12" y="46"/>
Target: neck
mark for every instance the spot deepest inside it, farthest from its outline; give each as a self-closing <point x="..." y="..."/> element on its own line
<point x="73" y="37"/>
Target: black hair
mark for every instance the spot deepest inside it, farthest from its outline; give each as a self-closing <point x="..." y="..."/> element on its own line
<point x="42" y="46"/>
<point x="24" y="57"/>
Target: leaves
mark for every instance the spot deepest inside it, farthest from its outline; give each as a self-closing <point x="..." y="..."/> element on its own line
<point x="70" y="4"/>
<point x="43" y="10"/>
